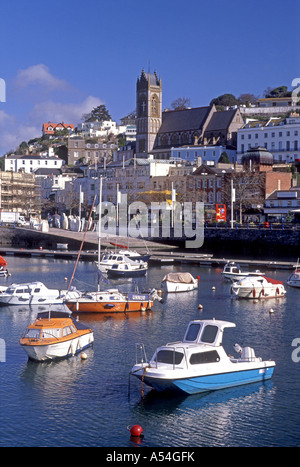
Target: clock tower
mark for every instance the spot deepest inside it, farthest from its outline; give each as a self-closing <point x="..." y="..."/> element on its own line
<point x="148" y="112"/>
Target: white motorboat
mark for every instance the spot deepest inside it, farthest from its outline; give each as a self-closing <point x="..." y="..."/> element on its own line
<point x="294" y="279"/>
<point x="258" y="287"/>
<point x="132" y="254"/>
<point x="179" y="282"/>
<point x="233" y="272"/>
<point x="199" y="363"/>
<point x="34" y="293"/>
<point x="110" y="260"/>
<point x="55" y="335"/>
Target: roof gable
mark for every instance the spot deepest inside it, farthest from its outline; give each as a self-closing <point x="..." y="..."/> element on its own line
<point x="184" y="120"/>
<point x="221" y="120"/>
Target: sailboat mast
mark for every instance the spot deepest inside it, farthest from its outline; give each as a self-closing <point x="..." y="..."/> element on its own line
<point x="99" y="229"/>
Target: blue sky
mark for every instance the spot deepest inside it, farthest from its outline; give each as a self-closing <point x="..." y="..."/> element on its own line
<point x="61" y="59"/>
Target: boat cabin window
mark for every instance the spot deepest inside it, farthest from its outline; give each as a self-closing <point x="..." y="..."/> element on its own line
<point x="209" y="334"/>
<point x="204" y="357"/>
<point x="169" y="356"/>
<point x="26" y="290"/>
<point x="193" y="332"/>
<point x="49" y="333"/>
<point x="68" y="330"/>
<point x="33" y="333"/>
<point x="37" y="290"/>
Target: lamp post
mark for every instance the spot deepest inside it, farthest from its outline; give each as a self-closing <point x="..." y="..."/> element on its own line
<point x="232" y="201"/>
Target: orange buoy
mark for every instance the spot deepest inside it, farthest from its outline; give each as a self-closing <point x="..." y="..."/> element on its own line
<point x="136" y="430"/>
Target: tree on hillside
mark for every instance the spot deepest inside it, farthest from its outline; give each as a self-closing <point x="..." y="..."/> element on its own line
<point x="280" y="91"/>
<point x="98" y="114"/>
<point x="181" y="103"/>
<point x="247" y="99"/>
<point x="22" y="148"/>
<point x="225" y="100"/>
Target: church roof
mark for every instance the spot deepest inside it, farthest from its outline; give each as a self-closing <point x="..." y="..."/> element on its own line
<point x="186" y="119"/>
<point x="220" y="120"/>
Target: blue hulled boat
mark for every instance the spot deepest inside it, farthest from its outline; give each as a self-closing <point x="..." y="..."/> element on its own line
<point x="199" y="363"/>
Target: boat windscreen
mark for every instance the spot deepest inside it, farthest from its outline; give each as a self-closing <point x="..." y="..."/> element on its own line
<point x="169" y="356"/>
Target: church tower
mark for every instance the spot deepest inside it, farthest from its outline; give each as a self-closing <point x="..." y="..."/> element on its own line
<point x="148" y="112"/>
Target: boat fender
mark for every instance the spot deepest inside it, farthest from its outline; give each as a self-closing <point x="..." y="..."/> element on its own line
<point x="277" y="291"/>
<point x="254" y="293"/>
<point x="198" y="278"/>
<point x="263" y="291"/>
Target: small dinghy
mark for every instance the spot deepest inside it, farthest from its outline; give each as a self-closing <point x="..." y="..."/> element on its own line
<point x="179" y="282"/>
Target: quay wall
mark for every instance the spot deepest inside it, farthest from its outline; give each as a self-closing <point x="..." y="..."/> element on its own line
<point x="222" y="241"/>
<point x="264" y="242"/>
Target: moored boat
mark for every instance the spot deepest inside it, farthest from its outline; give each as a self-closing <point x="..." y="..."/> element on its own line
<point x="55" y="335"/>
<point x="199" y="363"/>
<point x="113" y="301"/>
<point x="128" y="263"/>
<point x="294" y="278"/>
<point x="34" y="293"/>
<point x="174" y="282"/>
<point x="233" y="271"/>
<point x="258" y="287"/>
<point x="3" y="271"/>
<point x="128" y="268"/>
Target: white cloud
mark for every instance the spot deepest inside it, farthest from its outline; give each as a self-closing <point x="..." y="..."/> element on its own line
<point x="62" y="112"/>
<point x="13" y="131"/>
<point x="39" y="75"/>
<point x="5" y="118"/>
<point x="45" y="100"/>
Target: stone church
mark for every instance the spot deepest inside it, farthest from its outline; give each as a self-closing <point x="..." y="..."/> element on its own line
<point x="158" y="131"/>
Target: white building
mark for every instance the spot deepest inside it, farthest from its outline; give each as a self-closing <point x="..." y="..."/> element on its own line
<point x="282" y="204"/>
<point x="208" y="155"/>
<point x="52" y="183"/>
<point x="106" y="128"/>
<point x="31" y="162"/>
<point x="281" y="136"/>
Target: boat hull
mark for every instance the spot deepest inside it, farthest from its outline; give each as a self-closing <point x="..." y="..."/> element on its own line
<point x="258" y="292"/>
<point x="62" y="349"/>
<point x="295" y="283"/>
<point x="81" y="306"/>
<point x="206" y="383"/>
<point x="173" y="287"/>
<point x="234" y="277"/>
<point x="130" y="273"/>
<point x="26" y="299"/>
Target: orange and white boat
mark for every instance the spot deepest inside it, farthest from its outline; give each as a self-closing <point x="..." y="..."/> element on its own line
<point x="112" y="301"/>
<point x="55" y="335"/>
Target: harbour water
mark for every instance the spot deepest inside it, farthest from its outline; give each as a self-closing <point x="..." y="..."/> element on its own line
<point x="91" y="402"/>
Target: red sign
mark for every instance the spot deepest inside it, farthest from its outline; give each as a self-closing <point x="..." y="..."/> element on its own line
<point x="220" y="212"/>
